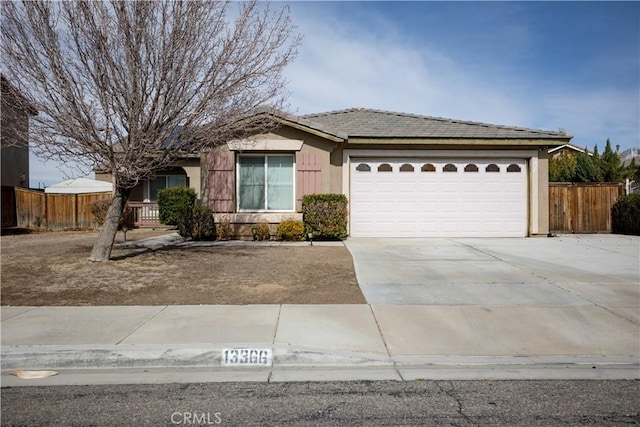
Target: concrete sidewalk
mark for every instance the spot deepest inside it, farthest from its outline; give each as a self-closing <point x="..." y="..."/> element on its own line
<point x="317" y="342"/>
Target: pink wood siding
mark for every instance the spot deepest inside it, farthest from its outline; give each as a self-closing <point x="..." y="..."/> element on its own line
<point x="308" y="175"/>
<point x="222" y="181"/>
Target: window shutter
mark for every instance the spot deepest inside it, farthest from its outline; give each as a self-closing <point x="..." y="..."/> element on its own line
<point x="221" y="181"/>
<point x="308" y="175"/>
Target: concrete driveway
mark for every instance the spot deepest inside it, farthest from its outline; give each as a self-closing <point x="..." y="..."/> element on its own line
<point x="572" y="297"/>
<point x="568" y="270"/>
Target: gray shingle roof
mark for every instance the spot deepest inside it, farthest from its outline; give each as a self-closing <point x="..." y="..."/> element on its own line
<point x="368" y="123"/>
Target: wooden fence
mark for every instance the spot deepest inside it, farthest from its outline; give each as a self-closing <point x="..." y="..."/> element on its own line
<point x="582" y="208"/>
<point x="48" y="211"/>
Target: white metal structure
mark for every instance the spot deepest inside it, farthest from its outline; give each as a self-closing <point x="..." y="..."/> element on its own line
<point x="438" y="197"/>
<point x="79" y="186"/>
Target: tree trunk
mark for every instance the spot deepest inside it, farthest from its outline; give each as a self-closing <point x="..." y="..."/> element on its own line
<point x="101" y="251"/>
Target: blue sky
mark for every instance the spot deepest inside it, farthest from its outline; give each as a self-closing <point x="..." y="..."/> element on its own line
<point x="549" y="65"/>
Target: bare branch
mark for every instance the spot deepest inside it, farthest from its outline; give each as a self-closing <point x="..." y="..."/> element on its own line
<point x="133" y="85"/>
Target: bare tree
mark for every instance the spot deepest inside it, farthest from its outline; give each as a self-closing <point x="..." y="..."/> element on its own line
<point x="130" y="86"/>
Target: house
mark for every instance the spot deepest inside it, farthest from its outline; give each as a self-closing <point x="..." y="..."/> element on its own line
<point x="14" y="136"/>
<point x="572" y="149"/>
<point x="404" y="175"/>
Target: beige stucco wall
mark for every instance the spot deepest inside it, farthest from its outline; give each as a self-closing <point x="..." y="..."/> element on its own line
<point x="319" y="146"/>
<point x="543" y="191"/>
<point x="193" y="171"/>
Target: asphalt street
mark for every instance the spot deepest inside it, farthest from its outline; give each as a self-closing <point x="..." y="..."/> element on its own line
<point x="459" y="403"/>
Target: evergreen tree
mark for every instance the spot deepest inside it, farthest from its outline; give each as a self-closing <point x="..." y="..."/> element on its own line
<point x="588" y="168"/>
<point x="612" y="168"/>
<point x="562" y="168"/>
<point x="592" y="168"/>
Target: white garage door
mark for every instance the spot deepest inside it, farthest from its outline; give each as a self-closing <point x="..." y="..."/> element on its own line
<point x="438" y="198"/>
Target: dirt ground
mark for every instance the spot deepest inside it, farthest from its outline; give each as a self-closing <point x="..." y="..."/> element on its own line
<point x="52" y="269"/>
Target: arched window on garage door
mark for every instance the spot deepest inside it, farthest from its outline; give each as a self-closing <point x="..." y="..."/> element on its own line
<point x="363" y="167"/>
<point x="428" y="167"/>
<point x="471" y="168"/>
<point x="492" y="168"/>
<point x="514" y="168"/>
<point x="449" y="167"/>
<point x="406" y="168"/>
<point x="385" y="167"/>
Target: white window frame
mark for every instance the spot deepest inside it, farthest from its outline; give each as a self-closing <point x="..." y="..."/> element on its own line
<point x="266" y="198"/>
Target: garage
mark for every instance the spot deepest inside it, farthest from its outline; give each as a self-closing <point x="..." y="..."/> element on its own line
<point x="438" y="197"/>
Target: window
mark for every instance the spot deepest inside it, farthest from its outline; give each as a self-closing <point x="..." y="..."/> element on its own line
<point x="363" y="167"/>
<point x="161" y="182"/>
<point x="471" y="168"/>
<point x="513" y="168"/>
<point x="450" y="167"/>
<point x="265" y="183"/>
<point x="385" y="167"/>
<point x="492" y="168"/>
<point x="428" y="167"/>
<point x="406" y="168"/>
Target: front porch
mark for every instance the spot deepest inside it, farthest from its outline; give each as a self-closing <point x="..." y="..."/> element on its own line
<point x="145" y="214"/>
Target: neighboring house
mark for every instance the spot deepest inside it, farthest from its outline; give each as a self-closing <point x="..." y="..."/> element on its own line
<point x="569" y="149"/>
<point x="14" y="138"/>
<point x="627" y="156"/>
<point x="404" y="175"/>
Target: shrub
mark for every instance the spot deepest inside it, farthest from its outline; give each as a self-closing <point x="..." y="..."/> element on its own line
<point x="99" y="210"/>
<point x="291" y="229"/>
<point x="223" y="229"/>
<point x="325" y="215"/>
<point x="185" y="222"/>
<point x="196" y="222"/>
<point x="625" y="215"/>
<point x="173" y="200"/>
<point x="203" y="225"/>
<point x="261" y="231"/>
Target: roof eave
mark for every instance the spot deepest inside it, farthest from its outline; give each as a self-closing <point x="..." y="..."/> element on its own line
<point x="550" y="142"/>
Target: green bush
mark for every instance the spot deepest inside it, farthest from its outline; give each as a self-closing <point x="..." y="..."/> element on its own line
<point x="173" y="200"/>
<point x="99" y="210"/>
<point x="625" y="215"/>
<point x="325" y="215"/>
<point x="291" y="229"/>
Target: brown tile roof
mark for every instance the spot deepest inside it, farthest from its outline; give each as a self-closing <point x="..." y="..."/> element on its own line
<point x="368" y="123"/>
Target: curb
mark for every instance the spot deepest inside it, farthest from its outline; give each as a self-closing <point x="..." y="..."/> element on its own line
<point x="297" y="363"/>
